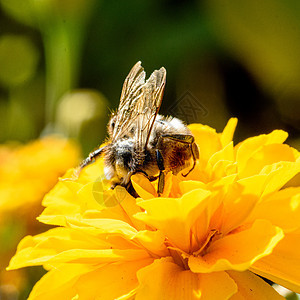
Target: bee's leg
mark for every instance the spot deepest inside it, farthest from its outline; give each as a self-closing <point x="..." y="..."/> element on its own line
<point x="153" y="178"/>
<point x="185" y="139"/>
<point x="131" y="190"/>
<point x="161" y="183"/>
<point x="138" y="171"/>
<point x="195" y="155"/>
<point x="181" y="138"/>
<point x="91" y="158"/>
<point x="161" y="177"/>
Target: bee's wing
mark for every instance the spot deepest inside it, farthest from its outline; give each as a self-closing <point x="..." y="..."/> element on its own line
<point x="131" y="93"/>
<point x="148" y="106"/>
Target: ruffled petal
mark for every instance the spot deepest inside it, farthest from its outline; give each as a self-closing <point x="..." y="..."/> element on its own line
<point x="225" y="154"/>
<point x="60" y="203"/>
<point x="238" y="205"/>
<point x="208" y="141"/>
<point x="279" y="174"/>
<point x="228" y="132"/>
<point x="251" y="287"/>
<point x="283" y="265"/>
<point x="123" y="208"/>
<point x="174" y="217"/>
<point x="153" y="242"/>
<point x="281" y="209"/>
<point x="246" y="149"/>
<point x="267" y="155"/>
<point x="165" y="280"/>
<point x="42" y="248"/>
<point x="238" y="251"/>
<point x="111" y="281"/>
<point x="86" y="282"/>
<point x="143" y="186"/>
<point x="62" y="281"/>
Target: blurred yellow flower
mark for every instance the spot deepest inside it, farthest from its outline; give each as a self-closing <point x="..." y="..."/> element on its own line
<point x="206" y="238"/>
<point x="28" y="172"/>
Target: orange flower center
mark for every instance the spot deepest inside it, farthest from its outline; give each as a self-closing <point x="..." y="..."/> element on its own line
<point x="181" y="258"/>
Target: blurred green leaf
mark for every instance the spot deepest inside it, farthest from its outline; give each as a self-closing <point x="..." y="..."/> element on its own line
<point x="20" y="125"/>
<point x="18" y="60"/>
<point x="62" y="25"/>
<point x="20" y="10"/>
<point x="265" y="37"/>
<point x="264" y="34"/>
<point x="11" y="232"/>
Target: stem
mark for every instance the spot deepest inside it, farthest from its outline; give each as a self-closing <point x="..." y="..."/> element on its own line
<point x="62" y="35"/>
<point x="60" y="69"/>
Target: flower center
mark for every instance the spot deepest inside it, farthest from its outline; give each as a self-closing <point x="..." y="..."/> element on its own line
<point x="181" y="258"/>
<point x="212" y="235"/>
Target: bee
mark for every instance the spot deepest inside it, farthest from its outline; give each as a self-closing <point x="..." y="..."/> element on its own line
<point x="142" y="141"/>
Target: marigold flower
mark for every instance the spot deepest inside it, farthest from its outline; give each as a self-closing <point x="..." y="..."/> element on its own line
<point x="206" y="237"/>
<point x="27" y="173"/>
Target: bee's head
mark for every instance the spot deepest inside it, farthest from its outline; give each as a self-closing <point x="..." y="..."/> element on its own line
<point x="119" y="159"/>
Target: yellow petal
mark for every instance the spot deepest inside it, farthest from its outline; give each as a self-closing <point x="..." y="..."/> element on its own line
<point x="271" y="178"/>
<point x="251" y="287"/>
<point x="190" y="185"/>
<point x="283" y="265"/>
<point x="247" y="148"/>
<point x="267" y="155"/>
<point x="89" y="282"/>
<point x="279" y="174"/>
<point x="222" y="162"/>
<point x="223" y="168"/>
<point x="238" y="251"/>
<point x="92" y="172"/>
<point x="110" y="281"/>
<point x="224" y="154"/>
<point x="104" y="226"/>
<point x="237" y="207"/>
<point x="222" y="182"/>
<point x="61" y="202"/>
<point x="128" y="296"/>
<point x="87" y="256"/>
<point x="62" y="280"/>
<point x="227" y="134"/>
<point x="254" y="185"/>
<point x="153" y="242"/>
<point x="207" y="139"/>
<point x="165" y="280"/>
<point x="123" y="209"/>
<point x="92" y="196"/>
<point x="281" y="209"/>
<point x="175" y="216"/>
<point x="143" y="186"/>
<point x="41" y="248"/>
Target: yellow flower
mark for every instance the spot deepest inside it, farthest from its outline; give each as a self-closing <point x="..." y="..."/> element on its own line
<point x="27" y="173"/>
<point x="206" y="238"/>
